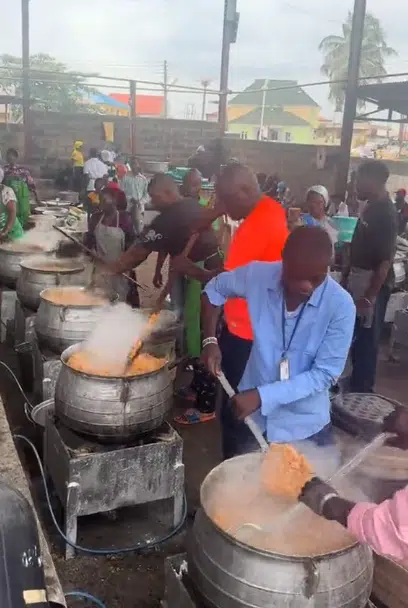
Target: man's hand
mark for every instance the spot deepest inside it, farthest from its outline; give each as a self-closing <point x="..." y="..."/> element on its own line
<point x="363" y="306"/>
<point x="246" y="403"/>
<point x="397" y="422"/>
<point x="211" y="357"/>
<point x="314" y="492"/>
<point x="158" y="280"/>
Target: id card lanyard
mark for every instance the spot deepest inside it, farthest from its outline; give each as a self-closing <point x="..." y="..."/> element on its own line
<point x="284" y="371"/>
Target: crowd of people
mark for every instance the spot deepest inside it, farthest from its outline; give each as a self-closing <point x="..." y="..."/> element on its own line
<point x="249" y="272"/>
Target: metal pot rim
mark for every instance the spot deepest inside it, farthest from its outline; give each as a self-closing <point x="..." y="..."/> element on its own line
<point x="281" y="556"/>
<point x="75" y="347"/>
<point x="79" y="267"/>
<point x="70" y="287"/>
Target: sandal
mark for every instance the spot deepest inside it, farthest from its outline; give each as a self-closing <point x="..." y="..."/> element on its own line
<point x="194" y="416"/>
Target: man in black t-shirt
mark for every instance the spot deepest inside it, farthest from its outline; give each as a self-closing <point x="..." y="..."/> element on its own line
<point x="370" y="277"/>
<point x="168" y="234"/>
<point x="170" y="231"/>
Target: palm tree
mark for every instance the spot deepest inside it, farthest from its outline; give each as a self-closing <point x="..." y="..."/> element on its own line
<point x="374" y="52"/>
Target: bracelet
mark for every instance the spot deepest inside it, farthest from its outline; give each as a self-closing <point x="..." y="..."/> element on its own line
<point x="326" y="499"/>
<point x="210" y="340"/>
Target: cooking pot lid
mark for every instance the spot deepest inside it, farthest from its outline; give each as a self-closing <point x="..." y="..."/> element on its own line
<point x="360" y="413"/>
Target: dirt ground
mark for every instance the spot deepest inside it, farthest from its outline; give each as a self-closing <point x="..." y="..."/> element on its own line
<point x="130" y="581"/>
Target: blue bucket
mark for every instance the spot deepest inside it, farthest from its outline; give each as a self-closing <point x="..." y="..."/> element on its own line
<point x="345" y="227"/>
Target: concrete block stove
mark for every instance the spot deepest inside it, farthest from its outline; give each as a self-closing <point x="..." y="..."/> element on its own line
<point x="91" y="477"/>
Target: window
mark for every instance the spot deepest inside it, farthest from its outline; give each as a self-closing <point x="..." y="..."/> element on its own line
<point x="288" y="137"/>
<point x="273" y="134"/>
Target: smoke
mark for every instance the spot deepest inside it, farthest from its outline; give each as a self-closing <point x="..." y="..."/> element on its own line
<point x="40" y="236"/>
<point x="117" y="330"/>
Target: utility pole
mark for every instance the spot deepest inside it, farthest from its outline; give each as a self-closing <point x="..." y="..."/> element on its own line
<point x="229" y="36"/>
<point x="350" y="104"/>
<point x="205" y="82"/>
<point x="261" y="125"/>
<point x="165" y="87"/>
<point x="25" y="36"/>
<point x="132" y="87"/>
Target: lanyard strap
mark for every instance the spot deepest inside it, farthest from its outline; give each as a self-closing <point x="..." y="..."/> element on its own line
<point x="286" y="348"/>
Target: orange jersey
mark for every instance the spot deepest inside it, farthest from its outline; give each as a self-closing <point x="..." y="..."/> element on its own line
<point x="260" y="238"/>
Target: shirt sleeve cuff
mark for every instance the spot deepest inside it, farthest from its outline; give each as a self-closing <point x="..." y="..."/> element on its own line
<point x="267" y="404"/>
<point x="216" y="299"/>
<point x="355" y="519"/>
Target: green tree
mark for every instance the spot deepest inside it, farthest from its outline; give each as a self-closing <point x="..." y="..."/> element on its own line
<point x="374" y="53"/>
<point x="59" y="90"/>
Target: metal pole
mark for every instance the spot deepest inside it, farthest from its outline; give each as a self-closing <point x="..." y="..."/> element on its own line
<point x="132" y="86"/>
<point x="165" y="88"/>
<point x="205" y="84"/>
<point x="225" y="55"/>
<point x="350" y="104"/>
<point x="261" y="124"/>
<point x="25" y="35"/>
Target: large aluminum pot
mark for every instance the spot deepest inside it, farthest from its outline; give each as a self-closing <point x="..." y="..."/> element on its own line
<point x="228" y="573"/>
<point x="12" y="255"/>
<point x="58" y="326"/>
<point x="112" y="408"/>
<point x="38" y="275"/>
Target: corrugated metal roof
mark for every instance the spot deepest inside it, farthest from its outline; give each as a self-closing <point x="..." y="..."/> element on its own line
<point x="273" y="117"/>
<point x="387" y="96"/>
<point x="294" y="96"/>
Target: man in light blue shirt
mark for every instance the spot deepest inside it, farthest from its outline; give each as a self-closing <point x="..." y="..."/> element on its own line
<point x="303" y="324"/>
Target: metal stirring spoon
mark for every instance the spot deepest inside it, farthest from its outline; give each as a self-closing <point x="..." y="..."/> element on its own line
<point x="253" y="427"/>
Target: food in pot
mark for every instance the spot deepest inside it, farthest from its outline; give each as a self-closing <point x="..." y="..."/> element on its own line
<point x="19" y="247"/>
<point x="92" y="364"/>
<point x="235" y="498"/>
<point x="52" y="266"/>
<point x="284" y="471"/>
<point x="73" y="297"/>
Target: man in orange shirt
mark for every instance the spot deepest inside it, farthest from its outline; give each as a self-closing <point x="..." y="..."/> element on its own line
<point x="260" y="237"/>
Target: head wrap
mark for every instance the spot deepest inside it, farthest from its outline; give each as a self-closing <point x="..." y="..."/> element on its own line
<point x="78" y="144"/>
<point x="320" y="190"/>
<point x="106" y="156"/>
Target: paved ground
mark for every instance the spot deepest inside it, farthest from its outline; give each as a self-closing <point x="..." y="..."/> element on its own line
<point x="137" y="580"/>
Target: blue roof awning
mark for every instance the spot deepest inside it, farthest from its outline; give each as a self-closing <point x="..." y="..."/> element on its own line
<point x="100" y="98"/>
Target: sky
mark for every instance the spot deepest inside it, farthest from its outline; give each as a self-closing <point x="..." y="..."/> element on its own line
<point x="132" y="38"/>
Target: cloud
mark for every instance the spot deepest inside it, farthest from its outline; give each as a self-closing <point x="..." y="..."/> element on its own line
<point x="132" y="38"/>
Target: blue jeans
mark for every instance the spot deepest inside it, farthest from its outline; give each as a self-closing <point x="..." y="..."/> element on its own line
<point x="365" y="345"/>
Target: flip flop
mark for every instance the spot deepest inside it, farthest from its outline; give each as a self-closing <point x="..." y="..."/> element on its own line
<point x="194" y="416"/>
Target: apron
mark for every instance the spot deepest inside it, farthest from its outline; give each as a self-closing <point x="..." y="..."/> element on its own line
<point x="110" y="244"/>
<point x="23" y="198"/>
<point x="16" y="232"/>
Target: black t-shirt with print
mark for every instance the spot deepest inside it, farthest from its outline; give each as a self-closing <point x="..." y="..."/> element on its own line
<point x="375" y="236"/>
<point x="170" y="230"/>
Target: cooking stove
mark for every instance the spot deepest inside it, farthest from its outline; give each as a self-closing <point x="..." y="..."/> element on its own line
<point x="91" y="477"/>
<point x="179" y="588"/>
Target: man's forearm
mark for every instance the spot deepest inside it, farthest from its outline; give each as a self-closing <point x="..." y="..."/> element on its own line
<point x="378" y="279"/>
<point x="129" y="259"/>
<point x="210" y="316"/>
